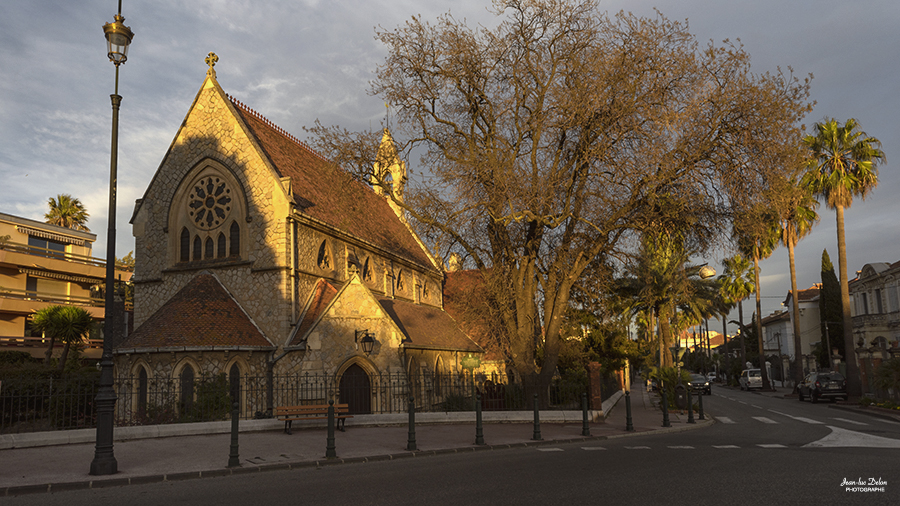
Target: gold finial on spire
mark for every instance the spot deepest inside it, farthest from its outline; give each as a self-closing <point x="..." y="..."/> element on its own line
<point x="211" y="61"/>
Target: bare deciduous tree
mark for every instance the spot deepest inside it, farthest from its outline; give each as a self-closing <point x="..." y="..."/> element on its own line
<point x="550" y="139"/>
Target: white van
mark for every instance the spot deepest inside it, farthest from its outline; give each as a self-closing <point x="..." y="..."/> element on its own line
<point x="750" y="378"/>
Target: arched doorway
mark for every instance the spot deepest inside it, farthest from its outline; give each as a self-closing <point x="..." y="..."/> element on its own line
<point x="355" y="390"/>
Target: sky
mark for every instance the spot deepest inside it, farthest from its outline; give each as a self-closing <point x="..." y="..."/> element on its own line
<point x="298" y="61"/>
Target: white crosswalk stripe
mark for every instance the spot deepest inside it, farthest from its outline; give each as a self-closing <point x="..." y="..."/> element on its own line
<point x="592" y="448"/>
<point x="725" y="446"/>
<point x="798" y="418"/>
<point x="846" y="420"/>
<point x="549" y="449"/>
<point x="764" y="419"/>
<point x="771" y="445"/>
<point x="637" y="447"/>
<point x="682" y="447"/>
<point x="724" y="419"/>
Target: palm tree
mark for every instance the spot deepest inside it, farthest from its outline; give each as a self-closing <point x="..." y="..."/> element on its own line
<point x="69" y="324"/>
<point x="798" y="216"/>
<point x="843" y="164"/>
<point x="44" y="321"/>
<point x="67" y="211"/>
<point x="72" y="325"/>
<point x="758" y="233"/>
<point x="736" y="285"/>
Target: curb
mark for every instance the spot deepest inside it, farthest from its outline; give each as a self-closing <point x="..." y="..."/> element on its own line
<point x="867" y="412"/>
<point x="287" y="466"/>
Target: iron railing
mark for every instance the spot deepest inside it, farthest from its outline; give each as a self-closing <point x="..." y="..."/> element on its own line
<point x="40" y="404"/>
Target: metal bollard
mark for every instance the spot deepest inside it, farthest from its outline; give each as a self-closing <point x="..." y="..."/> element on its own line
<point x="690" y="406"/>
<point x="329" y="445"/>
<point x="629" y="426"/>
<point x="233" y="457"/>
<point x="701" y="407"/>
<point x="479" y="433"/>
<point x="665" y="407"/>
<point x="585" y="429"/>
<point x="537" y="421"/>
<point x="411" y="438"/>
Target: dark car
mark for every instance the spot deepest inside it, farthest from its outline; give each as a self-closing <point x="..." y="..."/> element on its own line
<point x="823" y="385"/>
<point x="700" y="384"/>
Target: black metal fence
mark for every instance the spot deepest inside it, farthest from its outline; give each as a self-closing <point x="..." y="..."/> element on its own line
<point x="41" y="404"/>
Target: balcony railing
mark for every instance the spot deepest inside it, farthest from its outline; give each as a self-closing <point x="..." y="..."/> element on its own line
<point x="53" y="298"/>
<point x="48" y="253"/>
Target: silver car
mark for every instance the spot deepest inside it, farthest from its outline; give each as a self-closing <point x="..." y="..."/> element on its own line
<point x="750" y="378"/>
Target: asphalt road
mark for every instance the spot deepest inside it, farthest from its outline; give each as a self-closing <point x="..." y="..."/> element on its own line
<point x="762" y="451"/>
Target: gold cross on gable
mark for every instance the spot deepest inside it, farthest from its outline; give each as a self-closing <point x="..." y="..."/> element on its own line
<point x="211" y="61"/>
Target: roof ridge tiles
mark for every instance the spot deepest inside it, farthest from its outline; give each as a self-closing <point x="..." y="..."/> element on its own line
<point x="277" y="128"/>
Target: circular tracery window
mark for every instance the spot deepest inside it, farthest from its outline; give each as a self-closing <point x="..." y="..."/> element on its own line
<point x="209" y="203"/>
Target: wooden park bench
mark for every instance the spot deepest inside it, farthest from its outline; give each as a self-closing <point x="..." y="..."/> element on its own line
<point x="311" y="412"/>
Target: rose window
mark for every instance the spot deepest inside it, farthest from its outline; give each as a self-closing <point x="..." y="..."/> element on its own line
<point x="210" y="202"/>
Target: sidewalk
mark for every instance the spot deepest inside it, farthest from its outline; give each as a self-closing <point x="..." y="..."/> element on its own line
<point x="65" y="467"/>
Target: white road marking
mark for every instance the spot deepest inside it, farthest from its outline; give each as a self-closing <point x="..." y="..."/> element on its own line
<point x="846" y="420"/>
<point x="742" y="402"/>
<point x="682" y="447"/>
<point x="725" y="446"/>
<point x="764" y="419"/>
<point x="724" y="419"/>
<point x="798" y="418"/>
<point x="771" y="446"/>
<point x="592" y="448"/>
<point x="549" y="449"/>
<point x="843" y="438"/>
<point x="637" y="447"/>
<point x="887" y="421"/>
<point x="755" y="406"/>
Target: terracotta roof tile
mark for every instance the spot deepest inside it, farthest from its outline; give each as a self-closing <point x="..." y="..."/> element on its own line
<point x="322" y="295"/>
<point x="427" y="327"/>
<point x="202" y="313"/>
<point x="328" y="193"/>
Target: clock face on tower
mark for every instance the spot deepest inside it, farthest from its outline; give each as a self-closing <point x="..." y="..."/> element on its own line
<point x="209" y="203"/>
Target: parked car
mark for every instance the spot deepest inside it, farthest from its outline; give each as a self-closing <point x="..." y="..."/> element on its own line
<point x="711" y="377"/>
<point x="823" y="385"/>
<point x="750" y="378"/>
<point x="700" y="384"/>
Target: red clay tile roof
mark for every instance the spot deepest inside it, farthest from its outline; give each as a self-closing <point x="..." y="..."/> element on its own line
<point x="322" y="295"/>
<point x="461" y="289"/>
<point x="426" y="327"/>
<point x="202" y="313"/>
<point x="804" y="295"/>
<point x="327" y="193"/>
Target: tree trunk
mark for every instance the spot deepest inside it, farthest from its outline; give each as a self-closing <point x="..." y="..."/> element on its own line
<point x="49" y="352"/>
<point x="854" y="384"/>
<point x="63" y="357"/>
<point x="759" y="334"/>
<point x="795" y="307"/>
<point x="727" y="355"/>
<point x="743" y="343"/>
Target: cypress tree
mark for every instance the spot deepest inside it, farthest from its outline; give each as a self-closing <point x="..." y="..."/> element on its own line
<point x="830" y="311"/>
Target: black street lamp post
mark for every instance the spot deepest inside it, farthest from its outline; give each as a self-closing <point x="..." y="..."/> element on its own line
<point x="118" y="37"/>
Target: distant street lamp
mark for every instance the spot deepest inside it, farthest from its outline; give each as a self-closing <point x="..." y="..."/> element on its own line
<point x="118" y="38"/>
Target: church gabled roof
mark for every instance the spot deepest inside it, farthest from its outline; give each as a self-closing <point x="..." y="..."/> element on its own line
<point x="329" y="194"/>
<point x="202" y="314"/>
<point x="426" y="327"/>
<point x="322" y="295"/>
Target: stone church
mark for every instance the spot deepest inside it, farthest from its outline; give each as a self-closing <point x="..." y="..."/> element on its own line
<point x="257" y="257"/>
